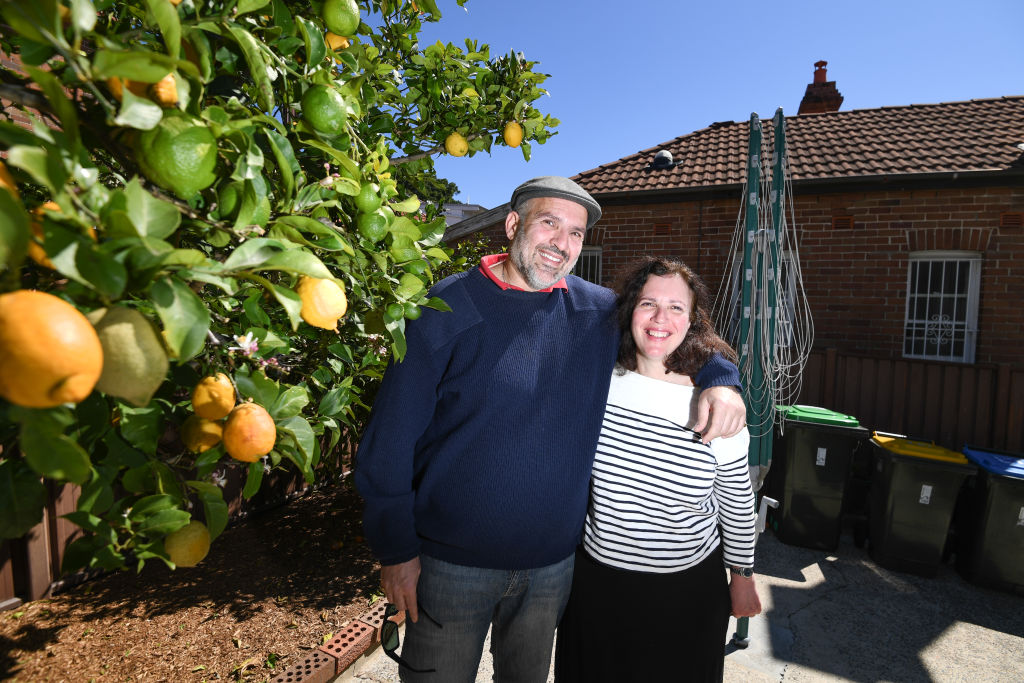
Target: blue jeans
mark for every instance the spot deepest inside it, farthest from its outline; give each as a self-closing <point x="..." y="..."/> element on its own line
<point x="522" y="608"/>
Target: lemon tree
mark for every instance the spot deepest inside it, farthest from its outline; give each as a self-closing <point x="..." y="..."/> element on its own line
<point x="241" y="214"/>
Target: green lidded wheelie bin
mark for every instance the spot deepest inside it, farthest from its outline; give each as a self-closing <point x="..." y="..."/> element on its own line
<point x="814" y="449"/>
<point x="990" y="528"/>
<point x="914" y="490"/>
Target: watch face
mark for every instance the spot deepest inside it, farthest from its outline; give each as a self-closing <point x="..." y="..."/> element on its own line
<point x="746" y="572"/>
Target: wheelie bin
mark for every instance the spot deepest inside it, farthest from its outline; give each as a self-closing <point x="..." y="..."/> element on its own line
<point x="814" y="449"/>
<point x="914" y="491"/>
<point x="990" y="527"/>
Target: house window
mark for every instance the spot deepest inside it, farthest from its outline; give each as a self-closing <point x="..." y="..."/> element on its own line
<point x="787" y="295"/>
<point x="588" y="266"/>
<point x="942" y="305"/>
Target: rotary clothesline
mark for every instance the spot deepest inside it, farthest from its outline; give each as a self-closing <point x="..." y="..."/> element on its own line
<point x="766" y="307"/>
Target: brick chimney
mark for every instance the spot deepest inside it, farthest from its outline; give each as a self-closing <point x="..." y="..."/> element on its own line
<point x="821" y="95"/>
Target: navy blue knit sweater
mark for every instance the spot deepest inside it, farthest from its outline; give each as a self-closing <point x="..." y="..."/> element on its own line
<point x="481" y="441"/>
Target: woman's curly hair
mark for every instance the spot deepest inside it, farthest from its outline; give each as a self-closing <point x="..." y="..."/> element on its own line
<point x="701" y="341"/>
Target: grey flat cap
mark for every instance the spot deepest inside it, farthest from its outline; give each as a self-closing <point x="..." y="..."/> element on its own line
<point x="562" y="188"/>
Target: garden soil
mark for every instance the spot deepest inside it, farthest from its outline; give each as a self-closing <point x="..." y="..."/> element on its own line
<point x="274" y="586"/>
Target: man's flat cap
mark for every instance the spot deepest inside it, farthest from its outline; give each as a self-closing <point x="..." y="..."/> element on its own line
<point x="559" y="187"/>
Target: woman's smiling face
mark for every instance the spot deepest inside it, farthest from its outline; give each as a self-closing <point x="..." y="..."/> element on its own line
<point x="661" y="320"/>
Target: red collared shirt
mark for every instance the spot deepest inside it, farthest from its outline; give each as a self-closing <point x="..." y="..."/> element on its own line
<point x="491" y="260"/>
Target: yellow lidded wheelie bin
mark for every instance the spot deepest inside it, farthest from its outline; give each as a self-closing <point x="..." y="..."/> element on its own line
<point x="914" y="491"/>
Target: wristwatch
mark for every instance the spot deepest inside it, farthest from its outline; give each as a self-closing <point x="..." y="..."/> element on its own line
<point x="745" y="572"/>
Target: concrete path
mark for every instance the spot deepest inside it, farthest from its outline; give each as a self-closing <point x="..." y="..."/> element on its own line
<point x="840" y="617"/>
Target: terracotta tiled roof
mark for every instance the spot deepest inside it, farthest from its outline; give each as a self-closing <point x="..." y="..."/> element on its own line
<point x="951" y="137"/>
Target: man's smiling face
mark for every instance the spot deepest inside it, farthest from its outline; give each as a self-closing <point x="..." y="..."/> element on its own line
<point x="547" y="237"/>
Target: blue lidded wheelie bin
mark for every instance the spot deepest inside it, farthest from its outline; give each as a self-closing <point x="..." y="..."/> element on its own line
<point x="990" y="527"/>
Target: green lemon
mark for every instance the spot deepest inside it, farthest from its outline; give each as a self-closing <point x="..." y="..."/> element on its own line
<point x="368" y="200"/>
<point x="412" y="311"/>
<point x="179" y="154"/>
<point x="341" y="16"/>
<point x="324" y="108"/>
<point x="229" y="199"/>
<point x="395" y="310"/>
<point x="372" y="226"/>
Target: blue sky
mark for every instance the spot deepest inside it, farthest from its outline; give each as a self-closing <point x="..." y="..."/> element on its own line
<point x="627" y="76"/>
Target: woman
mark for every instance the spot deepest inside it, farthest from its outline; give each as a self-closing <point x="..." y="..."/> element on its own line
<point x="668" y="513"/>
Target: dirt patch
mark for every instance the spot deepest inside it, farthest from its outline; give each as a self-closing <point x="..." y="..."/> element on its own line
<point x="274" y="586"/>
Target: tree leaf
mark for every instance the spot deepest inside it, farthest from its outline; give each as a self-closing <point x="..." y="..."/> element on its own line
<point x="290" y="402"/>
<point x="258" y="68"/>
<point x="185" y="318"/>
<point x="53" y="454"/>
<point x="135" y="65"/>
<point x="163" y="522"/>
<point x="290" y="301"/>
<point x="316" y="48"/>
<point x="253" y="480"/>
<point x="138" y="112"/>
<point x="297" y="261"/>
<point x="42" y="163"/>
<point x="166" y="15"/>
<point x="14" y="231"/>
<point x="58" y="99"/>
<point x="22" y="498"/>
<point x="258" y="387"/>
<point x="142" y="427"/>
<point x="151" y="217"/>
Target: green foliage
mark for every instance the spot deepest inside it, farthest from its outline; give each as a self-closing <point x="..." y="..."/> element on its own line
<point x="212" y="257"/>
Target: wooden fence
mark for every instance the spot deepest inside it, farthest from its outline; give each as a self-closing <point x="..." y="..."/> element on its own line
<point x="952" y="405"/>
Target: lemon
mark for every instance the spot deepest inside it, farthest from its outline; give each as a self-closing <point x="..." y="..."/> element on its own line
<point x="165" y="91"/>
<point x="199" y="434"/>
<point x="323" y="302"/>
<point x="336" y="42"/>
<point x="49" y="353"/>
<point x="341" y="16"/>
<point x="249" y="432"/>
<point x="513" y="134"/>
<point x="372" y="226"/>
<point x="188" y="545"/>
<point x="412" y="311"/>
<point x="116" y="86"/>
<point x="7" y="181"/>
<point x="179" y="154"/>
<point x="368" y="200"/>
<point x="134" y="361"/>
<point x="456" y="145"/>
<point x="324" y="109"/>
<point x="213" y="397"/>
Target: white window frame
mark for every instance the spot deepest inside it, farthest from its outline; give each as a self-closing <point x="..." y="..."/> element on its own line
<point x="784" y="323"/>
<point x="942" y="324"/>
<point x="588" y="265"/>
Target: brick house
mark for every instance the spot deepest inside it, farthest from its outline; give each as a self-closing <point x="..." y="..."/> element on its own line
<point x="910" y="234"/>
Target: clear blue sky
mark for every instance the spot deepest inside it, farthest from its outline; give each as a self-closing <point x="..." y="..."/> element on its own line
<point x="627" y="76"/>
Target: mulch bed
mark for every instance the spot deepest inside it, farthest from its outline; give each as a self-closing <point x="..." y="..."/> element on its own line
<point x="274" y="586"/>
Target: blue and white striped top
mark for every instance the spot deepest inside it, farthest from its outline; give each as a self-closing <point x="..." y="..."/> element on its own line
<point x="658" y="496"/>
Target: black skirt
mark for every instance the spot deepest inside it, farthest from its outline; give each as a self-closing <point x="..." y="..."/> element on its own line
<point x="622" y="626"/>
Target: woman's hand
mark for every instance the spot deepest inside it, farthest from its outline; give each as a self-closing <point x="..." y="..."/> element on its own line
<point x="743" y="593"/>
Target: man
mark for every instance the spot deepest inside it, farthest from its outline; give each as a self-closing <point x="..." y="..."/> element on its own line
<point x="476" y="461"/>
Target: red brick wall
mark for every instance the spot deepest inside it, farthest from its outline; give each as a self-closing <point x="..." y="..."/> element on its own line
<point x="855" y="278"/>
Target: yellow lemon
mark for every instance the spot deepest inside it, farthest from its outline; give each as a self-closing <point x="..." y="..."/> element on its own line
<point x="199" y="434"/>
<point x="249" y="433"/>
<point x="323" y="302"/>
<point x="188" y="545"/>
<point x="213" y="397"/>
<point x="456" y="145"/>
<point x="49" y="353"/>
<point x="513" y="134"/>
